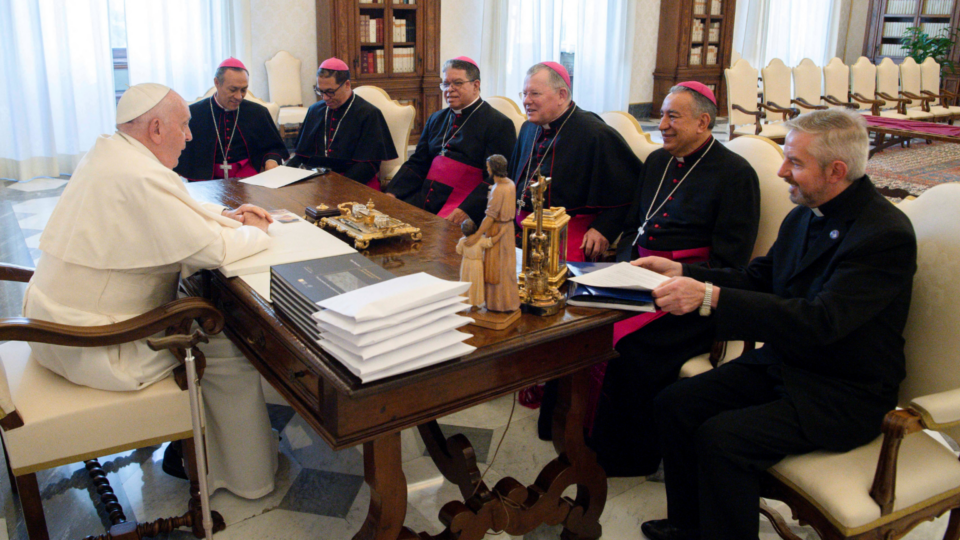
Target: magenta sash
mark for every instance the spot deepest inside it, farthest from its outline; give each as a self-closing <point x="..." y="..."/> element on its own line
<point x="461" y="177"/>
<point x="374" y="183"/>
<point x="576" y="229"/>
<point x="240" y="169"/>
<point x="632" y="324"/>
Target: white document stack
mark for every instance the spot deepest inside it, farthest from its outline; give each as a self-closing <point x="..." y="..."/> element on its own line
<point x="395" y="326"/>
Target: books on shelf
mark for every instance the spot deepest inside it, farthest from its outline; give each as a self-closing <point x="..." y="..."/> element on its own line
<point x="892" y="49"/>
<point x="404" y="60"/>
<point x="371" y="29"/>
<point x="405" y="2"/>
<point x="902" y="7"/>
<point x="372" y="61"/>
<point x="605" y="297"/>
<point x="938" y="7"/>
<point x="393" y="327"/>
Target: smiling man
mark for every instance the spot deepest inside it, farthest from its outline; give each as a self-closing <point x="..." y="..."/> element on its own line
<point x="232" y="137"/>
<point x="447" y="174"/>
<point x="698" y="203"/>
<point x="343" y="132"/>
<point x="594" y="171"/>
<point x="829" y="302"/>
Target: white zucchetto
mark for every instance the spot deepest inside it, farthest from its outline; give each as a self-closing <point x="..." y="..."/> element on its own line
<point x="139" y="99"/>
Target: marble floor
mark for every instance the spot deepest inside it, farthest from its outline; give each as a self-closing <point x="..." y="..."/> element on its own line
<point x="320" y="493"/>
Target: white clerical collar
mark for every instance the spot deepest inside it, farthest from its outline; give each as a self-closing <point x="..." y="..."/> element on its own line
<point x="458" y="111"/>
<point x="217" y="103"/>
<point x="817" y="212"/>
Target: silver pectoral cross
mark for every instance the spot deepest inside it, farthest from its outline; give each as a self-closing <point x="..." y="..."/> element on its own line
<point x="226" y="170"/>
<point x="640" y="232"/>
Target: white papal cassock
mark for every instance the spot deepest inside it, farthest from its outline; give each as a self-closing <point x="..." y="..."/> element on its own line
<point x="124" y="231"/>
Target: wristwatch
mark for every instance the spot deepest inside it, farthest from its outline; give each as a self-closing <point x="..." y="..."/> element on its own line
<point x="705" y="308"/>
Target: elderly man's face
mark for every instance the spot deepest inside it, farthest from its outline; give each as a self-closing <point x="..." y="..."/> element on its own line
<point x="682" y="129"/>
<point x="542" y="102"/>
<point x="458" y="90"/>
<point x="174" y="133"/>
<point x="231" y="91"/>
<point x="808" y="181"/>
<point x="332" y="93"/>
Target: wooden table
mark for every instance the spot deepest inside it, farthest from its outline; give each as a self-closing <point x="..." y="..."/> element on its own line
<point x="346" y="413"/>
<point x="904" y="131"/>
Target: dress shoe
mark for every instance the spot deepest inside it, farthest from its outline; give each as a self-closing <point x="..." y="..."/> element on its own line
<point x="173" y="460"/>
<point x="661" y="529"/>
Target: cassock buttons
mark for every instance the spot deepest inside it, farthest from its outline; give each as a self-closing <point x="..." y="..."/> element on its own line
<point x="656" y="225"/>
<point x="675" y="180"/>
<point x="834" y="234"/>
<point x="650" y="238"/>
<point x="669" y="198"/>
<point x="664" y="214"/>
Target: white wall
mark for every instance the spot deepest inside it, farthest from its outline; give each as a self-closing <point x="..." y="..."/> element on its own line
<point x="461" y="29"/>
<point x="289" y="25"/>
<point x="853" y="49"/>
<point x="645" y="50"/>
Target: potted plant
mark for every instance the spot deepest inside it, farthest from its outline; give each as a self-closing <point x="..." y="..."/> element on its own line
<point x="919" y="45"/>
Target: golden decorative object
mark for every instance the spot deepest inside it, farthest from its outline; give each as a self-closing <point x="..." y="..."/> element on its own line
<point x="540" y="250"/>
<point x="363" y="223"/>
<point x="554" y="226"/>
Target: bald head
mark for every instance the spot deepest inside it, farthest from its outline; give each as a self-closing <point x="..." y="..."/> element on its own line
<point x="164" y="129"/>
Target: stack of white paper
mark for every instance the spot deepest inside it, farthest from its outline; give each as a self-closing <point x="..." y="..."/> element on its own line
<point x="395" y="326"/>
<point x="291" y="242"/>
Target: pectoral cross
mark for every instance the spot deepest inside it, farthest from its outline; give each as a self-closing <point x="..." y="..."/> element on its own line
<point x="226" y="170"/>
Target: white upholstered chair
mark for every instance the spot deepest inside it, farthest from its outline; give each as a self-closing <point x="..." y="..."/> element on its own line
<point x="906" y="476"/>
<point x="272" y="108"/>
<point x="836" y="84"/>
<point x="765" y="157"/>
<point x="888" y="89"/>
<point x="863" y="86"/>
<point x="509" y="108"/>
<point x="283" y="83"/>
<point x="628" y="128"/>
<point x="807" y="79"/>
<point x="400" y="121"/>
<point x="776" y="90"/>
<point x="930" y="86"/>
<point x="48" y="421"/>
<point x="743" y="109"/>
<point x="910" y="89"/>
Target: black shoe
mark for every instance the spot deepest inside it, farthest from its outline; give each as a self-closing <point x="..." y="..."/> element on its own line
<point x="173" y="460"/>
<point x="661" y="529"/>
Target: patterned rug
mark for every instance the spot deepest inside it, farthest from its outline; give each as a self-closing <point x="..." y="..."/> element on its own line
<point x="899" y="172"/>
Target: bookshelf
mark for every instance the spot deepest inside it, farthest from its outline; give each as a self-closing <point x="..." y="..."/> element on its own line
<point x="694" y="44"/>
<point x="393" y="44"/>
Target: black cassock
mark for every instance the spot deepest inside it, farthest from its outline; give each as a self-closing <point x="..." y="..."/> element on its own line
<point x="716" y="206"/>
<point x="593" y="169"/>
<point x="257" y="139"/>
<point x="357" y="138"/>
<point x="478" y="132"/>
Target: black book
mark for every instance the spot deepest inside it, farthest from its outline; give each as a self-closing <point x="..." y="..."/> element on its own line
<point x="604" y="297"/>
<point x="315" y="280"/>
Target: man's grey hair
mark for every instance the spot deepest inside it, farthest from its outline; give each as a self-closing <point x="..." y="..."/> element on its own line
<point x="702" y="104"/>
<point x="838" y="135"/>
<point x="555" y="80"/>
<point x="220" y="71"/>
<point x="473" y="72"/>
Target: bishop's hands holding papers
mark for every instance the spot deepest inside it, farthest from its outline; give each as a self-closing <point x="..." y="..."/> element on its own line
<point x="678" y="295"/>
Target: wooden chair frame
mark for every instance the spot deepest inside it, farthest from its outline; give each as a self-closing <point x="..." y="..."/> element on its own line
<point x="175" y="318"/>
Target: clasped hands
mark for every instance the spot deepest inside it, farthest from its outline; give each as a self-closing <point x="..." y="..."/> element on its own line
<point x="249" y="214"/>
<point x="678" y="295"/>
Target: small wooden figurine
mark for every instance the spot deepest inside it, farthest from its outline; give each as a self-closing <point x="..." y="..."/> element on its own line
<point x="471" y="267"/>
<point x="501" y="292"/>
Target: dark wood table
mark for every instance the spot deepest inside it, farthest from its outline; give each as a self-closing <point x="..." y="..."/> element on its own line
<point x="901" y="131"/>
<point x="346" y="413"/>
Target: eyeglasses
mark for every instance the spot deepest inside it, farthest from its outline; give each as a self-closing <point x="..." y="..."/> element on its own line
<point x="532" y="95"/>
<point x="455" y="84"/>
<point x="328" y="93"/>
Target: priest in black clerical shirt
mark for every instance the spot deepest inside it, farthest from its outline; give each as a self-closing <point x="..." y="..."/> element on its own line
<point x="594" y="171"/>
<point x="233" y="137"/>
<point x="343" y="132"/>
<point x="447" y="174"/>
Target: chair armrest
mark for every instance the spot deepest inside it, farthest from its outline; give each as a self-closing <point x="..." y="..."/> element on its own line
<point x="924" y="100"/>
<point x="773" y="107"/>
<point x="897" y="424"/>
<point x="834" y="101"/>
<point x="807" y="105"/>
<point x="938" y="411"/>
<point x="12" y="272"/>
<point x="874" y="103"/>
<point x="901" y="103"/>
<point x="757" y="114"/>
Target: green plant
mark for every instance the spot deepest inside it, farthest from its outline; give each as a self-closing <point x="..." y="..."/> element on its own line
<point x="919" y="45"/>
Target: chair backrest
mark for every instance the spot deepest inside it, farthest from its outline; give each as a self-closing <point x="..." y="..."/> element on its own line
<point x="628" y="128"/>
<point x="910" y="78"/>
<point x="766" y="157"/>
<point x="272" y="108"/>
<point x="930" y="75"/>
<point x="932" y="340"/>
<point x="776" y="83"/>
<point x="283" y="79"/>
<point x="400" y="121"/>
<point x="509" y="108"/>
<point x="741" y="79"/>
<point x="836" y="80"/>
<point x="864" y="78"/>
<point x="888" y="80"/>
<point x="807" y="80"/>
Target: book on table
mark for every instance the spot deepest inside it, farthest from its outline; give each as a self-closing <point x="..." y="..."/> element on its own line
<point x="612" y="286"/>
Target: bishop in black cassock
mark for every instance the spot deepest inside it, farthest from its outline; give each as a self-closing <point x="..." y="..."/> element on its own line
<point x="343" y="132"/>
<point x="227" y="124"/>
<point x="447" y="172"/>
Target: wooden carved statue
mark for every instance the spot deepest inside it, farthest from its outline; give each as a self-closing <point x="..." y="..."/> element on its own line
<point x="471" y="267"/>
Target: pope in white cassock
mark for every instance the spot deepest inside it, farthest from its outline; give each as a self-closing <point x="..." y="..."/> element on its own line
<point x="123" y="233"/>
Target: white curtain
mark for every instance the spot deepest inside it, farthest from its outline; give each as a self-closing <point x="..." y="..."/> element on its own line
<point x="603" y="61"/>
<point x="57" y="93"/>
<point x="790" y="30"/>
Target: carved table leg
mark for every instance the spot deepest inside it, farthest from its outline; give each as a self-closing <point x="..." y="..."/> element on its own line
<point x="455" y="458"/>
<point x="383" y="472"/>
